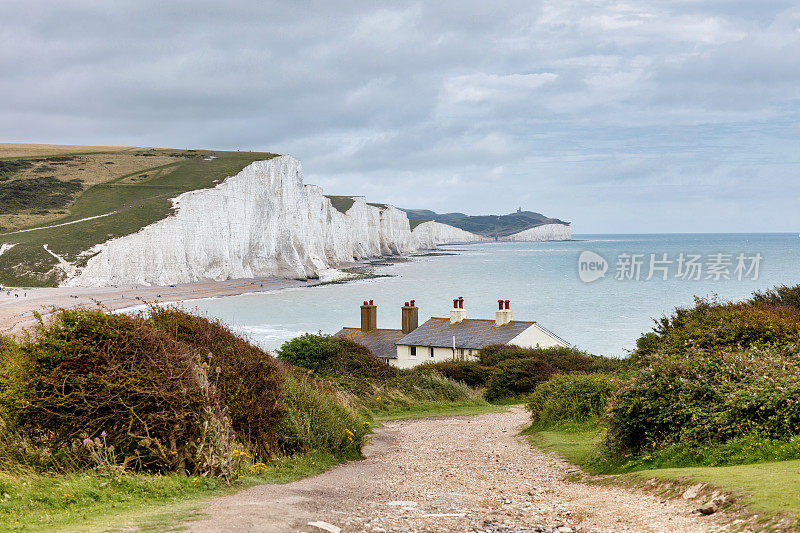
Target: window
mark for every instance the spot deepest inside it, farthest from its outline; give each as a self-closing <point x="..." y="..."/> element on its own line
<point x="431" y="351"/>
<point x="413" y="351"/>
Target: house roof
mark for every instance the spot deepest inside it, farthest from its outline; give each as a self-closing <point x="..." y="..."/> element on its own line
<point x="381" y="342"/>
<point x="470" y="333"/>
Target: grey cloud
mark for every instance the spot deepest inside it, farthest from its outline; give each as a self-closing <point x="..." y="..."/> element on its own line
<point x="595" y="112"/>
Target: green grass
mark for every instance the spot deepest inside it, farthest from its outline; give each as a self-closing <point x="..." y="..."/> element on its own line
<point x="138" y="204"/>
<point x="90" y="502"/>
<point x="766" y="487"/>
<point x="425" y="410"/>
<point x="341" y="203"/>
<point x="769" y="487"/>
<point x="414" y="222"/>
<point x="577" y="445"/>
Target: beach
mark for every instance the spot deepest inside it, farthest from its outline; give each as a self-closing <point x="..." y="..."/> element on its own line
<point x="17" y="306"/>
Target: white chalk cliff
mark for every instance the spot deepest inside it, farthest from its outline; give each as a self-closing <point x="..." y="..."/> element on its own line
<point x="261" y="222"/>
<point x="546" y="232"/>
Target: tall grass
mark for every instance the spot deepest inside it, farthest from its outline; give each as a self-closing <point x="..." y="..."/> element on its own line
<point x="320" y="418"/>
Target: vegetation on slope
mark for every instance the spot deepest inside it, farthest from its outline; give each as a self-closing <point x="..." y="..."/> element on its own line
<point x="713" y="393"/>
<point x="488" y="225"/>
<point x="133" y="186"/>
<point x="341" y="203"/>
<point x="379" y="387"/>
<point x="512" y="373"/>
<point x="103" y="412"/>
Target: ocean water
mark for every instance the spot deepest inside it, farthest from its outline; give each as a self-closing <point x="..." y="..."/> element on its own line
<point x="542" y="280"/>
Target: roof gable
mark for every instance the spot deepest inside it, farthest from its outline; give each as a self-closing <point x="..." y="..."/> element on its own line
<point x="470" y="333"/>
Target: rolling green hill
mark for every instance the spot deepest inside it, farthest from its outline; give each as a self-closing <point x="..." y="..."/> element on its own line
<point x="488" y="225"/>
<point x="125" y="188"/>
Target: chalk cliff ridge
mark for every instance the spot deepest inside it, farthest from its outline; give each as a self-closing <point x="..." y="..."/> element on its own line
<point x="545" y="232"/>
<point x="264" y="221"/>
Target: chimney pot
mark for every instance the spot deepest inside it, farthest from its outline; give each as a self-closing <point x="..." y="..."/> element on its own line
<point x="406" y="304"/>
<point x="410" y="316"/>
<point x="461" y="302"/>
<point x="370" y="302"/>
<point x="455" y="303"/>
<point x="500" y="304"/>
<point x="508" y="304"/>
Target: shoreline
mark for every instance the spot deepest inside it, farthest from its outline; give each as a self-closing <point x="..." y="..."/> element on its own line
<point x="18" y="305"/>
<point x="17" y="312"/>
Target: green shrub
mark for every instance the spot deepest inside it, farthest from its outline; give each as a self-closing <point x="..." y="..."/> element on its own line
<point x="570" y="398"/>
<point x="45" y="192"/>
<point x="89" y="374"/>
<point x="247" y="378"/>
<point x="564" y="359"/>
<point x="700" y="397"/>
<point x="712" y="324"/>
<point x="319" y="418"/>
<point x="328" y="355"/>
<point x="166" y="392"/>
<point x="513" y="377"/>
<point x="471" y="373"/>
<point x="781" y="296"/>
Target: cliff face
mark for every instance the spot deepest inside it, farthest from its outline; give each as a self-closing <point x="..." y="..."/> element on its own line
<point x="546" y="232"/>
<point x="262" y="222"/>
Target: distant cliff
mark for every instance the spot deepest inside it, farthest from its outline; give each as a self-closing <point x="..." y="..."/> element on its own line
<point x="513" y="226"/>
<point x="546" y="232"/>
<point x="261" y="222"/>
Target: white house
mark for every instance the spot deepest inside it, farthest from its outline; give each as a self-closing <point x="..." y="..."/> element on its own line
<point x="445" y="339"/>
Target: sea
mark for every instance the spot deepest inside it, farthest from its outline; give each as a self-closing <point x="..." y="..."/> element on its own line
<point x="598" y="292"/>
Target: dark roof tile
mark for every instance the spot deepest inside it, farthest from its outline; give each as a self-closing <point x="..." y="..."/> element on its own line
<point x="470" y="333"/>
<point x="381" y="342"/>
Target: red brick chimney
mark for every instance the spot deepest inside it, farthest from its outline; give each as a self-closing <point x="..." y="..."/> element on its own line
<point x="369" y="316"/>
<point x="410" y="313"/>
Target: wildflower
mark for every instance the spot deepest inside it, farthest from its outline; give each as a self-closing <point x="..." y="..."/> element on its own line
<point x="103" y="434"/>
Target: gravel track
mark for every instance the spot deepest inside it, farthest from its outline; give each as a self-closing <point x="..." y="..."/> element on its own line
<point x="451" y="474"/>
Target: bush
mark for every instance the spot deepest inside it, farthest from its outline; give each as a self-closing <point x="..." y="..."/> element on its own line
<point x="328" y="355"/>
<point x="168" y="392"/>
<point x="90" y="374"/>
<point x="468" y="372"/>
<point x="564" y="359"/>
<point x="712" y="324"/>
<point x="247" y="378"/>
<point x="513" y="377"/>
<point x="700" y="397"/>
<point x="319" y="418"/>
<point x="781" y="296"/>
<point x="570" y="398"/>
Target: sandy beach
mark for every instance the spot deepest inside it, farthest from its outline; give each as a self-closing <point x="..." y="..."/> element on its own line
<point x="17" y="306"/>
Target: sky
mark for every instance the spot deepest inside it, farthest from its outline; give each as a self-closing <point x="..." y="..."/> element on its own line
<point x="621" y="117"/>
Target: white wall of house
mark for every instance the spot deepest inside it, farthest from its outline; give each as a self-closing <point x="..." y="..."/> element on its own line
<point x="405" y="359"/>
<point x="535" y="336"/>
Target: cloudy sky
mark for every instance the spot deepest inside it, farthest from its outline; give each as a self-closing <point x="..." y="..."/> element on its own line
<point x="640" y="116"/>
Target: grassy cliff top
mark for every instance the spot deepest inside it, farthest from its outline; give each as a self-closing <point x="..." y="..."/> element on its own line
<point x="43" y="187"/>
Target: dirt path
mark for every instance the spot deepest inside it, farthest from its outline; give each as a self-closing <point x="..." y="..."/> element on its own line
<point x="450" y="474"/>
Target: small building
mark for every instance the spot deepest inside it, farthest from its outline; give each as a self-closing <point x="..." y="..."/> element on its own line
<point x="445" y="339"/>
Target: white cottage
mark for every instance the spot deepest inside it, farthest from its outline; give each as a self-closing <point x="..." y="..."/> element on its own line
<point x="445" y="339"/>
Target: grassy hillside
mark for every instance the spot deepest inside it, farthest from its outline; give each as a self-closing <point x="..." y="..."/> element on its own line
<point x="128" y="188"/>
<point x="488" y="225"/>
